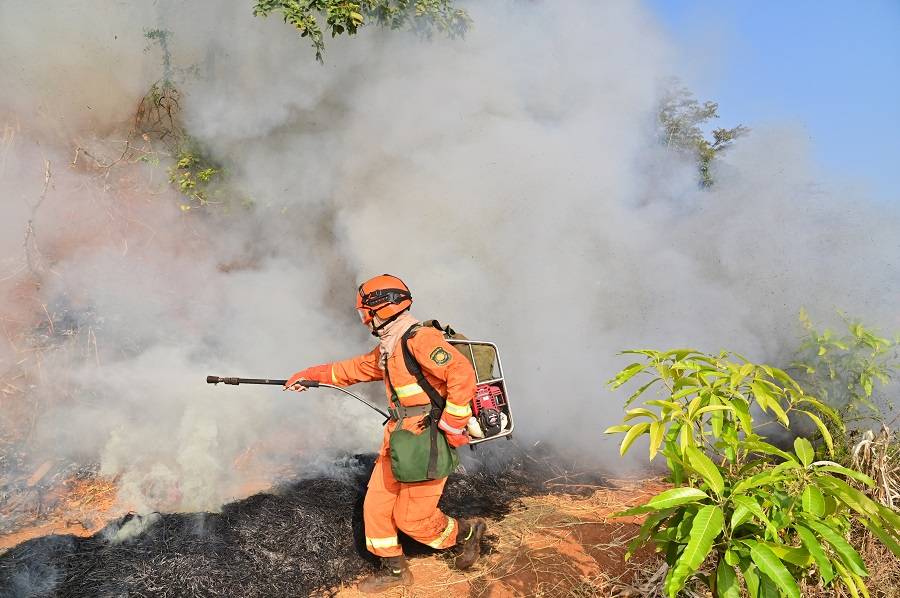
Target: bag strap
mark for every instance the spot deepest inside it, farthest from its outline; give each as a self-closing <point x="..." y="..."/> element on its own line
<point x="387" y="374"/>
<point x="446" y="330"/>
<point x="437" y="400"/>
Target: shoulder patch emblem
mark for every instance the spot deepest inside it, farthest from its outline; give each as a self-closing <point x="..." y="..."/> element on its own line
<point x="440" y="356"/>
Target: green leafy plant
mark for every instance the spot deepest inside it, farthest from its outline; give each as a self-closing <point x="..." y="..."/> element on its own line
<point x="763" y="518"/>
<point x="681" y="122"/>
<point x="195" y="175"/>
<point x="842" y="369"/>
<point x="347" y="16"/>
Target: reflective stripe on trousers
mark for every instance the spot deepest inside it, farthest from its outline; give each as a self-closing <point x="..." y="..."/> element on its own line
<point x="390" y="506"/>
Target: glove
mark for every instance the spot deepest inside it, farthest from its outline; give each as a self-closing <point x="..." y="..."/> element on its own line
<point x="319" y="373"/>
<point x="457" y="440"/>
<point x="455" y="437"/>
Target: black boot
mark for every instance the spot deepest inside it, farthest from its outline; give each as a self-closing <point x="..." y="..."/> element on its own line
<point x="468" y="539"/>
<point x="394" y="573"/>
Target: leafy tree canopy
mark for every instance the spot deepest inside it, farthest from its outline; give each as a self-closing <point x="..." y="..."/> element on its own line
<point x="347" y="16"/>
<point x="681" y="122"/>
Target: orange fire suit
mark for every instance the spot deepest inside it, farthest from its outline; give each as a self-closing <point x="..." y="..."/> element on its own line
<point x="410" y="507"/>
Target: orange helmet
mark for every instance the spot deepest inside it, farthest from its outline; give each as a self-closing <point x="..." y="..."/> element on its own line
<point x="384" y="296"/>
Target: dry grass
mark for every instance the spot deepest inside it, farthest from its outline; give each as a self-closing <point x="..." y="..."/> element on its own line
<point x="879" y="458"/>
<point x="556" y="545"/>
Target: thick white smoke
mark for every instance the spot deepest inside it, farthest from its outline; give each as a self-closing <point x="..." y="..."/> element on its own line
<point x="512" y="179"/>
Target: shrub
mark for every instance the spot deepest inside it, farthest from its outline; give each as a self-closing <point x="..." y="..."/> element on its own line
<point x="762" y="517"/>
<point x="842" y="369"/>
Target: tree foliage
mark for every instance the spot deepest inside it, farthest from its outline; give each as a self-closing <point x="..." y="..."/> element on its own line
<point x="682" y="119"/>
<point x="314" y="17"/>
<point x="758" y="517"/>
<point x="844" y="368"/>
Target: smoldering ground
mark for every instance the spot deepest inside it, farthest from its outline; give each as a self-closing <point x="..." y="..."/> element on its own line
<point x="513" y="179"/>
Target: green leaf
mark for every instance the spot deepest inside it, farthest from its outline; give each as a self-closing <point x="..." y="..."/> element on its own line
<point x="639" y="412"/>
<point x="704" y="466"/>
<point x="860" y="584"/>
<point x="640" y="391"/>
<point x="717" y="422"/>
<point x="731" y="557"/>
<point x="761" y="393"/>
<point x="740" y="516"/>
<point x="850" y="473"/>
<point x="804" y="450"/>
<point x="665" y="405"/>
<point x="666" y="500"/>
<point x="848" y="581"/>
<point x="657" y="429"/>
<point x="684" y="392"/>
<point x="742" y="410"/>
<point x="727" y="585"/>
<point x="849" y="495"/>
<point x="685" y="439"/>
<point x="765" y="477"/>
<point x="632" y="435"/>
<point x="809" y="540"/>
<point x="889" y="515"/>
<point x="795" y="555"/>
<point x="676" y="497"/>
<point x="706" y="527"/>
<point x="786" y="380"/>
<point x="824" y="409"/>
<point x="750" y="505"/>
<point x="714" y="408"/>
<point x="769" y="449"/>
<point x="767" y="588"/>
<point x="617" y="429"/>
<point x="886" y="538"/>
<point x="823" y="430"/>
<point x="813" y="501"/>
<point x="694" y="405"/>
<point x="779" y="412"/>
<point x="649" y="526"/>
<point x="773" y="568"/>
<point x="626" y="374"/>
<point x="785" y="466"/>
<point x="849" y="556"/>
<point x="751" y="577"/>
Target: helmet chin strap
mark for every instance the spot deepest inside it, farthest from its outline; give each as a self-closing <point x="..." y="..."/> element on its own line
<point x="376" y="330"/>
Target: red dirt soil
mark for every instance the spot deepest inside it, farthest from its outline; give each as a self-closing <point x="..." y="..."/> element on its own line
<point x="559" y="545"/>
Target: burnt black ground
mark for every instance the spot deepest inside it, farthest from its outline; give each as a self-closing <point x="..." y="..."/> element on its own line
<point x="301" y="539"/>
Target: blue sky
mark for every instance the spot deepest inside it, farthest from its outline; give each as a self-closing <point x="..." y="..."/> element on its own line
<point x="831" y="66"/>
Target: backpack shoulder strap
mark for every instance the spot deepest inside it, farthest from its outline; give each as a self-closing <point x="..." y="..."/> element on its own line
<point x="447" y="331"/>
<point x="437" y="400"/>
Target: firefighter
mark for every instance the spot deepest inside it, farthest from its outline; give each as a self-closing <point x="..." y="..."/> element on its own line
<point x="383" y="304"/>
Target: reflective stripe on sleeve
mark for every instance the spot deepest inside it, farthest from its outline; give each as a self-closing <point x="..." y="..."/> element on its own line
<point x="443" y="425"/>
<point x="408" y="390"/>
<point x="451" y="523"/>
<point x="458" y="410"/>
<point x="333" y="377"/>
<point x="388" y="542"/>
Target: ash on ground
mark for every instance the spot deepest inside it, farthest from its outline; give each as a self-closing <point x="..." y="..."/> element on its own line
<point x="303" y="538"/>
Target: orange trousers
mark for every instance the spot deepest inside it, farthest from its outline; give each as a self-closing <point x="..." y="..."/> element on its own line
<point x="411" y="508"/>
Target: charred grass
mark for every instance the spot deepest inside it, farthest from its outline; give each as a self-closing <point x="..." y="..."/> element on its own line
<point x="303" y="538"/>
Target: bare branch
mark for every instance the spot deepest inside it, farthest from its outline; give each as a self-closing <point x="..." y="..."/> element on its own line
<point x="32" y="253"/>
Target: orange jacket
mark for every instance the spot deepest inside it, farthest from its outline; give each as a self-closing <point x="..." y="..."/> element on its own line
<point x="444" y="367"/>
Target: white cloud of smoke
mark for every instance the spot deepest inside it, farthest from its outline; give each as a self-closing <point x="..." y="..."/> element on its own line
<point x="513" y="179"/>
